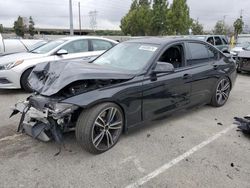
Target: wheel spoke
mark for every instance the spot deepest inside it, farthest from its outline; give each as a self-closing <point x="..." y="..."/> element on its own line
<point x="225" y="95"/>
<point x="98" y="139"/>
<point x="115" y="125"/>
<point x="100" y="125"/>
<point x="111" y="114"/>
<point x="225" y="87"/>
<point x="102" y="120"/>
<point x="110" y="137"/>
<point x="107" y="137"/>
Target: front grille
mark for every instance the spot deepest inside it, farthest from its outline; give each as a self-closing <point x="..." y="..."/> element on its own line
<point x="4" y="81"/>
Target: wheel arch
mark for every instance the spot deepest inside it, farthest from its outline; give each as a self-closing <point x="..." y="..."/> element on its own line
<point x="27" y="69"/>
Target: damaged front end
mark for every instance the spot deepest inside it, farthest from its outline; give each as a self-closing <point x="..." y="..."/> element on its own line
<point x="45" y="114"/>
<point x="45" y="118"/>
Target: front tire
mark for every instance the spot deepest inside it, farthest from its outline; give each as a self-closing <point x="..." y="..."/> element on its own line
<point x="221" y="92"/>
<point x="98" y="129"/>
<point x="24" y="81"/>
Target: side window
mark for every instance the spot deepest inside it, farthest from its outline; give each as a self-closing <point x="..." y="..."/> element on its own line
<point x="225" y="41"/>
<point x="76" y="46"/>
<point x="210" y="40"/>
<point x="173" y="55"/>
<point x="99" y="45"/>
<point x="212" y="53"/>
<point x="218" y="41"/>
<point x="197" y="53"/>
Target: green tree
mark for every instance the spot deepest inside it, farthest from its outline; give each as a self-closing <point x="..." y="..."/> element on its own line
<point x="159" y="22"/>
<point x="137" y="20"/>
<point x="31" y="27"/>
<point x="238" y="26"/>
<point x="19" y="27"/>
<point x="220" y="28"/>
<point x="144" y="2"/>
<point x="197" y="28"/>
<point x="179" y="18"/>
<point x="1" y="28"/>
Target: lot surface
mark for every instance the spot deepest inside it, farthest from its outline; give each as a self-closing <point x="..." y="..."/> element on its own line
<point x="217" y="155"/>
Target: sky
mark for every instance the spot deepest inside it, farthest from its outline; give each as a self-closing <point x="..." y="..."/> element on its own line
<point x="55" y="14"/>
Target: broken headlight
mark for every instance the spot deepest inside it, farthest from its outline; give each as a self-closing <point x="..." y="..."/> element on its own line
<point x="61" y="109"/>
<point x="10" y="65"/>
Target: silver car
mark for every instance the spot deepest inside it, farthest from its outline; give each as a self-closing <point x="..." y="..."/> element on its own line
<point x="15" y="68"/>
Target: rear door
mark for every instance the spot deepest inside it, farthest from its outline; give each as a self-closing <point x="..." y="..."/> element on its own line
<point x="77" y="49"/>
<point x="99" y="46"/>
<point x="201" y="59"/>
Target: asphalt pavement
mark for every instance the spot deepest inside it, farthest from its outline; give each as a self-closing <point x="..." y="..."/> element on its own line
<point x="195" y="148"/>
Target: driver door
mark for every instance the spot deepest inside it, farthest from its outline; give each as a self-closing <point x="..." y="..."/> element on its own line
<point x="167" y="92"/>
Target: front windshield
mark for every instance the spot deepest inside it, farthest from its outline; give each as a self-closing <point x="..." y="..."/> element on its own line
<point x="127" y="56"/>
<point x="48" y="47"/>
<point x="37" y="45"/>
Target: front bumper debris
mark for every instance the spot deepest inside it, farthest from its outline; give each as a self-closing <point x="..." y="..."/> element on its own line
<point x="41" y="122"/>
<point x="243" y="124"/>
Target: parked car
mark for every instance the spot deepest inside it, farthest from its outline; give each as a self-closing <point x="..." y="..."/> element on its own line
<point x="135" y="81"/>
<point x="15" y="69"/>
<point x="243" y="60"/>
<point x="8" y="46"/>
<point x="239" y="47"/>
<point x="219" y="41"/>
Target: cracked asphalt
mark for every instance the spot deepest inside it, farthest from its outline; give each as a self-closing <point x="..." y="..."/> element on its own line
<point x="225" y="162"/>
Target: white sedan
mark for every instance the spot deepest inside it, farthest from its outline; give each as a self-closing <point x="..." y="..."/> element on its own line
<point x="15" y="68"/>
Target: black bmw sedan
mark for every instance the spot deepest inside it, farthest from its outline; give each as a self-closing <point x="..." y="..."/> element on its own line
<point x="134" y="82"/>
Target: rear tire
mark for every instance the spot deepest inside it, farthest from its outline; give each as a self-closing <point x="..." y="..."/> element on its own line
<point x="98" y="129"/>
<point x="24" y="81"/>
<point x="221" y="92"/>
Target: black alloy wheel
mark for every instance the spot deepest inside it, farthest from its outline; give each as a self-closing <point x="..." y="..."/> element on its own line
<point x="99" y="128"/>
<point x="222" y="92"/>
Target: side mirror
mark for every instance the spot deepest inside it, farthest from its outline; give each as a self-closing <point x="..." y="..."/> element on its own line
<point x="61" y="52"/>
<point x="163" y="67"/>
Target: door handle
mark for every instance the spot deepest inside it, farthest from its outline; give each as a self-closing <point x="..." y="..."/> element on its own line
<point x="86" y="58"/>
<point x="187" y="76"/>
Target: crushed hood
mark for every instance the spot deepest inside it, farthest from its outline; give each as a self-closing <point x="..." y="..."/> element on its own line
<point x="49" y="78"/>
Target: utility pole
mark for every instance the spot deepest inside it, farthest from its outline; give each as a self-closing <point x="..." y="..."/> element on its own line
<point x="241" y="12"/>
<point x="93" y="23"/>
<point x="224" y="19"/>
<point x="79" y="8"/>
<point x="71" y="18"/>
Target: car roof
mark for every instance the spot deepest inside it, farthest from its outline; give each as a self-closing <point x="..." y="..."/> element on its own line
<point x="86" y="37"/>
<point x="160" y="40"/>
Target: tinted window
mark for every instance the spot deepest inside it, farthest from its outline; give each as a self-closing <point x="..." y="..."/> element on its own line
<point x="210" y="40"/>
<point x="173" y="55"/>
<point x="225" y="41"/>
<point x="212" y="53"/>
<point x="101" y="45"/>
<point x="198" y="53"/>
<point x="218" y="41"/>
<point x="76" y="46"/>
